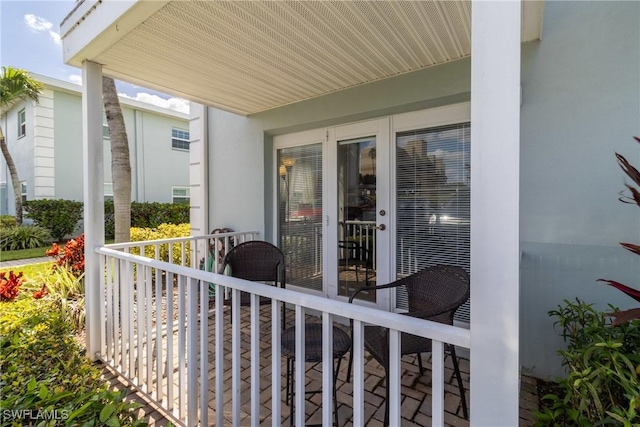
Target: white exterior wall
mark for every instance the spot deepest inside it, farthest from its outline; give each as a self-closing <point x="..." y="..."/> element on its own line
<point x="49" y="156"/>
<point x="43" y="146"/>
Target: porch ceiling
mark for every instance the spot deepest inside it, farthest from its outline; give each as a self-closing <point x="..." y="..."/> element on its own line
<point x="252" y="56"/>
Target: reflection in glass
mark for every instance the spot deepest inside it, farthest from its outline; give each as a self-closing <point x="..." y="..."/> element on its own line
<point x="356" y="216"/>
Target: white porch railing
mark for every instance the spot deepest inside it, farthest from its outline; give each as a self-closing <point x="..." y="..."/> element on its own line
<point x="154" y="334"/>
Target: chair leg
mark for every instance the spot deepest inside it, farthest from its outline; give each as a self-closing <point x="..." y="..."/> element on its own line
<point x="387" y="393"/>
<point x="456" y="369"/>
<point x="420" y="364"/>
<point x="350" y="365"/>
<point x="335" y="391"/>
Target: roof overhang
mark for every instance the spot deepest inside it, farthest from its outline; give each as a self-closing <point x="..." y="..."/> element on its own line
<point x="252" y="56"/>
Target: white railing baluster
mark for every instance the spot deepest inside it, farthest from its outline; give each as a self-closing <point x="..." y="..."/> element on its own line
<point x="276" y="363"/>
<point x="106" y="268"/>
<point x="204" y="353"/>
<point x="235" y="356"/>
<point x="327" y="369"/>
<point x="131" y="323"/>
<point x="148" y="336"/>
<point x="219" y="355"/>
<point x="181" y="346"/>
<point x="169" y="340"/>
<point x="393" y="377"/>
<point x="103" y="313"/>
<point x="158" y="341"/>
<point x="300" y="367"/>
<point x="255" y="360"/>
<point x="117" y="312"/>
<point x="437" y="383"/>
<point x="140" y="300"/>
<point x="358" y="373"/>
<point x="192" y="352"/>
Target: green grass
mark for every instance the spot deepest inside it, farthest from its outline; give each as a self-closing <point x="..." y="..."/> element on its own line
<point x="24" y="254"/>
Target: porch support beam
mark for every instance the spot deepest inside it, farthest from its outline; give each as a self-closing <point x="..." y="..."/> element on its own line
<point x="93" y="192"/>
<point x="495" y="247"/>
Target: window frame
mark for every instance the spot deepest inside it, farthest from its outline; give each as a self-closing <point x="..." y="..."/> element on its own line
<point x="24" y="190"/>
<point x="181" y="141"/>
<point x="22" y="123"/>
<point x="180" y="187"/>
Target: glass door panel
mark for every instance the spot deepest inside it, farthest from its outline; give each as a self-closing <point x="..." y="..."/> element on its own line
<point x="356" y="251"/>
<point x="300" y="214"/>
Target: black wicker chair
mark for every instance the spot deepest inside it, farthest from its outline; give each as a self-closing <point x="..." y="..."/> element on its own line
<point x="256" y="261"/>
<point x="434" y="293"/>
<point x="353" y="254"/>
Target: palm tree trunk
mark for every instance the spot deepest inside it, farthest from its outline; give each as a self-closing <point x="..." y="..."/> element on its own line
<point x="15" y="179"/>
<point x="120" y="163"/>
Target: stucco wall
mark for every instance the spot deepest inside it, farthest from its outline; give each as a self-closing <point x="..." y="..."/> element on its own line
<point x="155" y="166"/>
<point x="580" y="103"/>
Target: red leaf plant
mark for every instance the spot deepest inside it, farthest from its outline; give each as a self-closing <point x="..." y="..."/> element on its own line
<point x="42" y="292"/>
<point x="633" y="173"/>
<point x="71" y="256"/>
<point x="10" y="285"/>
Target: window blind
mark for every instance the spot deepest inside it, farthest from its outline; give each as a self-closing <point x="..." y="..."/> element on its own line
<point x="433" y="202"/>
<point x="300" y="214"/>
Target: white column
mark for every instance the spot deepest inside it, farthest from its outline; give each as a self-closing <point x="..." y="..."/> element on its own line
<point x="495" y="183"/>
<point x="93" y="192"/>
<point x="198" y="171"/>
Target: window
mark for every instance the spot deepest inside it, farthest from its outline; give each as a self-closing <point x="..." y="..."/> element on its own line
<point x="300" y="213"/>
<point x="108" y="191"/>
<point x="23" y="190"/>
<point x="105" y="132"/>
<point x="433" y="201"/>
<point x="179" y="139"/>
<point x="22" y="123"/>
<point x="180" y="194"/>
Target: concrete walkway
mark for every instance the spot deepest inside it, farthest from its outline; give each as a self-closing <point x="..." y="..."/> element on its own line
<point x="21" y="262"/>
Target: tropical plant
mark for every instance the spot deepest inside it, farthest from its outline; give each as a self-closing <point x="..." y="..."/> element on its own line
<point x="66" y="290"/>
<point x="43" y="368"/>
<point x="24" y="237"/>
<point x="163" y="231"/>
<point x="7" y="221"/>
<point x="634" y="174"/>
<point x="10" y="285"/>
<point x="120" y="163"/>
<point x="71" y="257"/>
<point x="60" y="216"/>
<point x="15" y="85"/>
<point x="603" y="365"/>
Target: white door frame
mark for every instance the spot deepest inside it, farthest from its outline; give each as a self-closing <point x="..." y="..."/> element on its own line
<point x="380" y="129"/>
<point x="385" y="129"/>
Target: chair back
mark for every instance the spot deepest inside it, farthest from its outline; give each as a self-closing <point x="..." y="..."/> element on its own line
<point x="435" y="293"/>
<point x="256" y="261"/>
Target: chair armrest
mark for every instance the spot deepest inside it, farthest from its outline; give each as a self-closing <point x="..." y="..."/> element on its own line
<point x="368" y="288"/>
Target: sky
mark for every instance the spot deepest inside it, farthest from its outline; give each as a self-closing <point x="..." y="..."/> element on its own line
<point x="30" y="39"/>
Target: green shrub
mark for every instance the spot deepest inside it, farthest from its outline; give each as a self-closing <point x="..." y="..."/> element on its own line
<point x="24" y="237"/>
<point x="603" y="365"/>
<point x="43" y="368"/>
<point x="59" y="216"/>
<point x="7" y="221"/>
<point x="147" y="215"/>
<point x="163" y="231"/>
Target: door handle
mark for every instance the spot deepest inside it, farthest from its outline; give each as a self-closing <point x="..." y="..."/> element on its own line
<point x="381" y="227"/>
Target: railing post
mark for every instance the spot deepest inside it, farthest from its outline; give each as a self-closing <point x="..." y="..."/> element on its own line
<point x="93" y="192"/>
